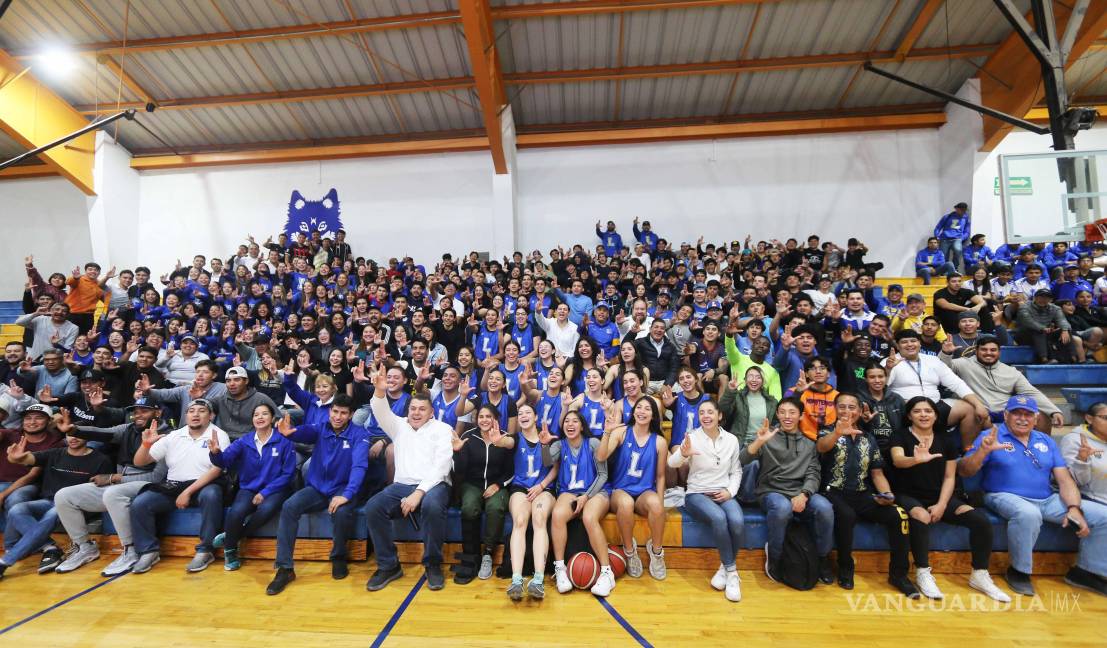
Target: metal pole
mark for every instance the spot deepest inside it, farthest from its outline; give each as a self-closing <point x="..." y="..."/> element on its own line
<point x="128" y="114"/>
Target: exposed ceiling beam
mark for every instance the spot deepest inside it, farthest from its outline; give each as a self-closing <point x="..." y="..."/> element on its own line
<point x="559" y="76"/>
<point x="1011" y="78"/>
<point x="23" y="171"/>
<point x="480" y="40"/>
<point x="384" y="23"/>
<point x="922" y="20"/>
<point x="128" y="80"/>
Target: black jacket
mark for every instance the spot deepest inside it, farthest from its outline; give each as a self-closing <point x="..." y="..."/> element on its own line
<point x="663" y="366"/>
<point x="481" y="464"/>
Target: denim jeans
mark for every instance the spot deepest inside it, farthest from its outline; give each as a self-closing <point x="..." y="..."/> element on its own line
<point x="818" y="515"/>
<point x="725" y="520"/>
<point x="244" y="518"/>
<point x="309" y="500"/>
<point x="149" y="504"/>
<point x="385" y="506"/>
<point x="29" y="526"/>
<point x="941" y="271"/>
<point x="747" y="490"/>
<point x="951" y="250"/>
<point x="19" y="495"/>
<point x="1024" y="521"/>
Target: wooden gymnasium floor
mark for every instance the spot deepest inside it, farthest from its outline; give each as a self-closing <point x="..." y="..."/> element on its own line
<point x="167" y="607"/>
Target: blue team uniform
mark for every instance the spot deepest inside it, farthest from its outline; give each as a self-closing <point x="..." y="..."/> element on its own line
<point x="528" y="463"/>
<point x="635" y="465"/>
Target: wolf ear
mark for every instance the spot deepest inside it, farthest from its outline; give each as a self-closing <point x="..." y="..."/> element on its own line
<point x="297" y="201"/>
<point x="331" y="199"/>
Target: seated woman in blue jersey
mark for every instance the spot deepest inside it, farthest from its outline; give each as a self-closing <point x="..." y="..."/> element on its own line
<point x="627" y="360"/>
<point x="588" y="356"/>
<point x="685" y="408"/>
<point x="530" y="500"/>
<point x="380" y="445"/>
<point x="511" y="368"/>
<point x="714" y="476"/>
<point x="445" y="396"/>
<point x="496" y="396"/>
<point x="581" y="492"/>
<point x="637" y="484"/>
<point x="265" y="463"/>
<point x="525" y="334"/>
<point x="483" y="468"/>
<point x="634" y="388"/>
<point x="547" y="359"/>
<point x="550" y="404"/>
<point x="486" y="337"/>
<point x="590" y="403"/>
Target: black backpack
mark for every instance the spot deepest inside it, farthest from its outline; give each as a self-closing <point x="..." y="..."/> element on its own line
<point x="799" y="562"/>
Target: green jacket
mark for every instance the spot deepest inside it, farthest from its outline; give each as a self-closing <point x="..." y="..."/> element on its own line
<point x="736" y="411"/>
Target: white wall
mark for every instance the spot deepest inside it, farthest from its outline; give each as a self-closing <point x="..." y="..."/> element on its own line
<point x="882" y="187"/>
<point x="46" y="217"/>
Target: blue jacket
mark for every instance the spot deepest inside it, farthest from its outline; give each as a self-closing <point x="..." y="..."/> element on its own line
<point x="953" y="226"/>
<point x="605" y="335"/>
<point x="974" y="255"/>
<point x="268" y="473"/>
<point x="579" y="305"/>
<point x="649" y="239"/>
<point x="612" y="242"/>
<point x="339" y="460"/>
<point x="1007" y="252"/>
<point x="315" y="412"/>
<point x="1052" y="261"/>
<point x="1068" y="289"/>
<point x="929" y="258"/>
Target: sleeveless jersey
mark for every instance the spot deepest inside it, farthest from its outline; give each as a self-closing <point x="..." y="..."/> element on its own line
<point x="528" y="462"/>
<point x="542" y="375"/>
<point x="628" y="410"/>
<point x="593" y="415"/>
<point x="686" y="416"/>
<point x="445" y="411"/>
<point x="635" y="466"/>
<point x="548" y="410"/>
<point x="398" y="407"/>
<point x="485" y="343"/>
<point x="577" y="470"/>
<point x="525" y="339"/>
<point x="511" y="384"/>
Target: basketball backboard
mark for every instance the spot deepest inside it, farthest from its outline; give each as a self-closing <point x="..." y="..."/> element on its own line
<point x="1050" y="197"/>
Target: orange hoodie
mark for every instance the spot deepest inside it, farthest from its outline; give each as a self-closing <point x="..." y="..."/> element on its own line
<point x="84" y="296"/>
<point x="818" y="410"/>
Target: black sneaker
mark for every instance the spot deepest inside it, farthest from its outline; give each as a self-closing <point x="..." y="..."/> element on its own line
<point x="3" y="568"/>
<point x="339" y="570"/>
<point x="51" y="558"/>
<point x="383" y="577"/>
<point x="845" y="576"/>
<point x="1019" y="582"/>
<point x="826" y="571"/>
<point x="1085" y="579"/>
<point x="435" y="579"/>
<point x="285" y="575"/>
<point x="904" y="585"/>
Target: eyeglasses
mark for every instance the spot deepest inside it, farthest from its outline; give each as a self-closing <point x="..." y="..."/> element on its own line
<point x="1102" y="417"/>
<point x="1028" y="453"/>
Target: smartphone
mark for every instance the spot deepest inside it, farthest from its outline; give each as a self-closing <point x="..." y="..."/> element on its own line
<point x="1073" y="521"/>
<point x="888" y="497"/>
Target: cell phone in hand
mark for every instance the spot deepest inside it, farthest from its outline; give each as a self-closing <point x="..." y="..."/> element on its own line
<point x="1073" y="521"/>
<point x="887" y="497"/>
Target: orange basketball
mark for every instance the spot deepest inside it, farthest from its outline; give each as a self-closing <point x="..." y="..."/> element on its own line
<point x="617" y="559"/>
<point x="584" y="569"/>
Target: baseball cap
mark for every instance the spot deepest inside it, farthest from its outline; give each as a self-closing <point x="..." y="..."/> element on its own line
<point x="1044" y="292"/>
<point x="599" y="304"/>
<point x="715" y="305"/>
<point x="203" y="402"/>
<point x="699" y="286"/>
<point x="892" y="287"/>
<point x="1018" y="402"/>
<point x="916" y="297"/>
<point x="968" y="315"/>
<point x="237" y="372"/>
<point x="91" y="374"/>
<point x="144" y="403"/>
<point x="40" y="408"/>
<point x="189" y="337"/>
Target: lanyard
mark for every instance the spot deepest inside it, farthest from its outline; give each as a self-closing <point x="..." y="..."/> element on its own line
<point x="918" y="371"/>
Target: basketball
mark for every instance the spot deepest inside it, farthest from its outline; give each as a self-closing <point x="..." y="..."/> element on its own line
<point x="584" y="569"/>
<point x="617" y="559"/>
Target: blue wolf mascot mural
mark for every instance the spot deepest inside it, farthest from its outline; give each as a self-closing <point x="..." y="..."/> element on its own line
<point x="309" y="216"/>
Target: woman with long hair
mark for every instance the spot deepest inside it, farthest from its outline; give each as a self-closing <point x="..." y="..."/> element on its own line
<point x="627" y="360"/>
<point x="530" y="499"/>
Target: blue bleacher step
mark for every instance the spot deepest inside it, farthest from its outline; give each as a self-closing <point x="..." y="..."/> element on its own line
<point x="1083" y="398"/>
<point x="1016" y="355"/>
<point x="1059" y="374"/>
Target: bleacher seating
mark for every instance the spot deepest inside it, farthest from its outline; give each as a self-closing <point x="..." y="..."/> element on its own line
<point x="1082" y="398"/>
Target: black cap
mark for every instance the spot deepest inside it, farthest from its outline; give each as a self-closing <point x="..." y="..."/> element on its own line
<point x="960" y="205"/>
<point x="92" y="374"/>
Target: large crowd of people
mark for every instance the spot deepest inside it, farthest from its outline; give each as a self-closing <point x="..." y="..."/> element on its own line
<point x="627" y="377"/>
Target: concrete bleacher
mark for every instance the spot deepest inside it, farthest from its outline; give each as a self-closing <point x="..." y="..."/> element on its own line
<point x="9" y="310"/>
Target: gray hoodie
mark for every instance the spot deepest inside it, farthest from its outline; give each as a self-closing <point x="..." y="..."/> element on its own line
<point x="236" y="417"/>
<point x="789" y="464"/>
<point x="997" y="383"/>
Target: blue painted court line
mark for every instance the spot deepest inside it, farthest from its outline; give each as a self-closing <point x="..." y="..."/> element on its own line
<point x="383" y="634"/>
<point x="623" y="622"/>
<point x="61" y="603"/>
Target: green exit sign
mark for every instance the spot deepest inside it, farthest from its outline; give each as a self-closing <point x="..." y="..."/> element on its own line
<point x="1017" y="186"/>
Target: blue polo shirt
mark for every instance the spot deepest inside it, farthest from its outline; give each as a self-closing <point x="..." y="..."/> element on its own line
<point x="1014" y="471"/>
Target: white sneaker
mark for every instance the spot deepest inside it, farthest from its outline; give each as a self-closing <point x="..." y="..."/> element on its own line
<point x="634" y="561"/>
<point x="564" y="585"/>
<point x="718" y="581"/>
<point x="733" y="587"/>
<point x="200" y="561"/>
<point x="768" y="572"/>
<point x="122" y="564"/>
<point x="674" y="497"/>
<point x="924" y="580"/>
<point x="86" y="552"/>
<point x="146" y="562"/>
<point x="981" y="580"/>
<point x="485" y="568"/>
<point x="605" y="583"/>
<point x="657" y="562"/>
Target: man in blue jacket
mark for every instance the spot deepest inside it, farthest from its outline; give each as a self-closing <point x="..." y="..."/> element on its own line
<point x="930" y="261"/>
<point x="645" y="236"/>
<point x="978" y="253"/>
<point x="612" y="242"/>
<point x="333" y="480"/>
<point x="952" y="231"/>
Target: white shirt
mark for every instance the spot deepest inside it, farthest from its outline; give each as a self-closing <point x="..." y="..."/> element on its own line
<point x="563" y="339"/>
<point x="715" y="467"/>
<point x="424" y="456"/>
<point x="1025" y="287"/>
<point x="921" y="377"/>
<point x="187" y="458"/>
<point x="818" y="298"/>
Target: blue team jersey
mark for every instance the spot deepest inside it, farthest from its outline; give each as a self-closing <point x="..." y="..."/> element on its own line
<point x="548" y="410"/>
<point x="503" y="407"/>
<point x="686" y="416"/>
<point x="524" y="337"/>
<point x="635" y="465"/>
<point x="528" y="462"/>
<point x="445" y="411"/>
<point x="628" y="410"/>
<point x="593" y="415"/>
<point x="576" y="385"/>
<point x="540" y="306"/>
<point x="511" y="376"/>
<point x="577" y="470"/>
<point x="485" y="343"/>
<point x="398" y="407"/>
<point x="542" y="375"/>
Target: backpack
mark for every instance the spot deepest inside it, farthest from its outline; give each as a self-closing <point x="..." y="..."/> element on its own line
<point x="799" y="562"/>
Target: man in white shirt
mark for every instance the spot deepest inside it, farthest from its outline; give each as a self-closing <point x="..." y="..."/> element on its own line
<point x="561" y="332"/>
<point x="51" y="327"/>
<point x="190" y="473"/>
<point x="424" y="456"/>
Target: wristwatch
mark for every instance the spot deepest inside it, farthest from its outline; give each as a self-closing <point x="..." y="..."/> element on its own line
<point x="806" y="493"/>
